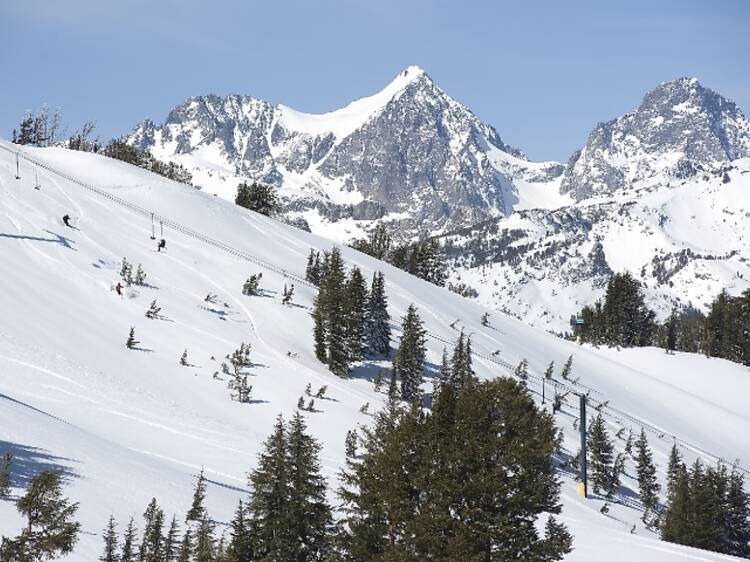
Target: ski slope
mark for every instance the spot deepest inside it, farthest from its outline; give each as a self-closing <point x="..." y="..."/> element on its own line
<point x="127" y="425"/>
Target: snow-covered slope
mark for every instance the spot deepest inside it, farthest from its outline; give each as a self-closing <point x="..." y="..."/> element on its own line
<point x="128" y="425"/>
<point x="409" y="155"/>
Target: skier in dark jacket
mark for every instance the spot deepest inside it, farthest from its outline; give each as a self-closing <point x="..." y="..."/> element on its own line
<point x="162" y="245"/>
<point x="66" y="220"/>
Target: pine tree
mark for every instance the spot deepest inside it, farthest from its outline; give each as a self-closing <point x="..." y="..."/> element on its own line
<point x="350" y="443"/>
<point x="648" y="487"/>
<point x="319" y="331"/>
<point x="186" y="547"/>
<point x="131" y="342"/>
<point x="673" y="467"/>
<point x="378" y="329"/>
<point x="408" y="363"/>
<point x="153" y="311"/>
<point x="549" y="371"/>
<point x="522" y="370"/>
<point x="355" y="313"/>
<point x="140" y="276"/>
<point x="126" y="272"/>
<point x="258" y="197"/>
<point x="110" y="542"/>
<point x="461" y="369"/>
<point x="184" y="359"/>
<point x="309" y="512"/>
<point x="128" y="543"/>
<point x="670" y="343"/>
<point x="153" y="538"/>
<point x="336" y="344"/>
<point x="287" y="295"/>
<point x="171" y="541"/>
<point x="5" y="474"/>
<point x="486" y="319"/>
<point x="321" y="393"/>
<point x="50" y="530"/>
<point x="268" y="506"/>
<point x="737" y="519"/>
<point x="240" y="547"/>
<point x="205" y="542"/>
<point x="567" y="368"/>
<point x="600" y="450"/>
<point x="252" y="285"/>
<point x="198" y="509"/>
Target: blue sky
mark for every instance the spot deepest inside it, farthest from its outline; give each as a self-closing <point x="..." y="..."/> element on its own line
<point x="543" y="73"/>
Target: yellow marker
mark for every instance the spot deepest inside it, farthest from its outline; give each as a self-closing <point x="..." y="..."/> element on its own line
<point x="582" y="489"/>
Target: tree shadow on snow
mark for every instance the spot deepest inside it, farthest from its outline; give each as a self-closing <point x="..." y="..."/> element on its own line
<point x="56" y="239"/>
<point x="29" y="461"/>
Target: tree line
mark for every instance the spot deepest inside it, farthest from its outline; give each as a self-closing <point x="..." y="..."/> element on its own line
<point x="624" y="320"/>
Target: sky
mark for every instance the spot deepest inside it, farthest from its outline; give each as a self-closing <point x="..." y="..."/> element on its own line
<point x="542" y="73"/>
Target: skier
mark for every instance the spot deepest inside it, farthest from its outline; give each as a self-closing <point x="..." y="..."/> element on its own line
<point x="162" y="245"/>
<point x="118" y="288"/>
<point x="66" y="220"/>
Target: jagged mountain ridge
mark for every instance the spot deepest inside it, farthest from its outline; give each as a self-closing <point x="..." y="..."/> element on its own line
<point x="534" y="239"/>
<point x="680" y="128"/>
<point x="410" y="155"/>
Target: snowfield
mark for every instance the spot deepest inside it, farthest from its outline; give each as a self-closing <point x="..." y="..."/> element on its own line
<point x="126" y="425"/>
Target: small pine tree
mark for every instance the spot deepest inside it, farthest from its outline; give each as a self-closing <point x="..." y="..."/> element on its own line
<point x="350" y="443"/>
<point x="522" y="370"/>
<point x="131" y="342"/>
<point x="252" y="285"/>
<point x="549" y="371"/>
<point x="377" y="325"/>
<point x="311" y="405"/>
<point x="308" y="389"/>
<point x="486" y="319"/>
<point x="321" y="392"/>
<point x="5" y="475"/>
<point x="50" y="530"/>
<point x="648" y="487"/>
<point x="184" y="359"/>
<point x="365" y="408"/>
<point x="567" y="368"/>
<point x="286" y="296"/>
<point x="240" y="547"/>
<point x="197" y="509"/>
<point x="301" y="403"/>
<point x="140" y="276"/>
<point x="153" y="311"/>
<point x="126" y="272"/>
<point x="153" y="538"/>
<point x="110" y="542"/>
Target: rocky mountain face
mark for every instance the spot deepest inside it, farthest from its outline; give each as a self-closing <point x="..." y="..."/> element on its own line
<point x="409" y="155"/>
<point x="680" y="129"/>
<point x="663" y="191"/>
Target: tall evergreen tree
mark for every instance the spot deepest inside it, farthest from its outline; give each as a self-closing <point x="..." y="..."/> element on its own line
<point x="153" y="537"/>
<point x="648" y="487"/>
<point x="600" y="450"/>
<point x="205" y="542"/>
<point x="172" y="541"/>
<point x="186" y="547"/>
<point x="268" y="506"/>
<point x="258" y="197"/>
<point x="355" y="314"/>
<point x="127" y="554"/>
<point x="50" y="530"/>
<point x="197" y="508"/>
<point x="308" y="510"/>
<point x="408" y="364"/>
<point x="240" y="547"/>
<point x="378" y="327"/>
<point x="109" y="535"/>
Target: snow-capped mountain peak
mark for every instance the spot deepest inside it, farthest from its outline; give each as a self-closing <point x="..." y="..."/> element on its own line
<point x="679" y="129"/>
<point x="408" y="154"/>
